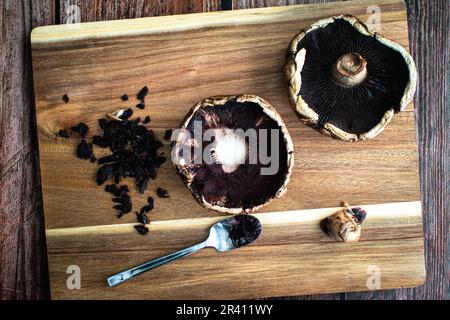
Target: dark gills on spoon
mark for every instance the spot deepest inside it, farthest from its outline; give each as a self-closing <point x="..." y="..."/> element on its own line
<point x="244" y="229"/>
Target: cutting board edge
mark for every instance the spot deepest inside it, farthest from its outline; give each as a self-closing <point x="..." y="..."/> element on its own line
<point x="178" y="23"/>
<point x="417" y="282"/>
<point x="413" y="209"/>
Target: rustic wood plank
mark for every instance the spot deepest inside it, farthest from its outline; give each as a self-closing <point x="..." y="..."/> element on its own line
<point x="101" y="10"/>
<point x="429" y="25"/>
<point x="23" y="261"/>
<point x="248" y="4"/>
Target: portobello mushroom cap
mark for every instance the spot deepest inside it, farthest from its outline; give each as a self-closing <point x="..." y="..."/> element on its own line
<point x="346" y="81"/>
<point x="233" y="182"/>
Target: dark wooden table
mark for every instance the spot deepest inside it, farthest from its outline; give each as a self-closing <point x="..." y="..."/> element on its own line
<point x="23" y="264"/>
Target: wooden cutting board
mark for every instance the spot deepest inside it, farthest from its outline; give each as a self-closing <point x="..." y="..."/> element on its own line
<point x="183" y="59"/>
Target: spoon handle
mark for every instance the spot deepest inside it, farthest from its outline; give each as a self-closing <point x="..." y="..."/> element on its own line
<point x="133" y="272"/>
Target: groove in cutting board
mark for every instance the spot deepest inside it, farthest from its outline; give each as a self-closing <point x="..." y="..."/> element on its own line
<point x="184" y="59"/>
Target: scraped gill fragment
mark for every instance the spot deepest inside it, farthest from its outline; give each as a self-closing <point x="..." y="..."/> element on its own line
<point x="244" y="229"/>
<point x="133" y="152"/>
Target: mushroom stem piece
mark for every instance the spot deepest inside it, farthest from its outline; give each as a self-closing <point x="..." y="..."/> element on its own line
<point x="345" y="225"/>
<point x="349" y="70"/>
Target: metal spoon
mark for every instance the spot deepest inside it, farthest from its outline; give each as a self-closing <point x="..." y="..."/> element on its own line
<point x="226" y="235"/>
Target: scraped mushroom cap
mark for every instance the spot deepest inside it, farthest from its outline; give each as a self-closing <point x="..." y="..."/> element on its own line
<point x="346" y="81"/>
<point x="233" y="182"/>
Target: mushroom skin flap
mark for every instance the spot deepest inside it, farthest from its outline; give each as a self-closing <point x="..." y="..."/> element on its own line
<point x="346" y="81"/>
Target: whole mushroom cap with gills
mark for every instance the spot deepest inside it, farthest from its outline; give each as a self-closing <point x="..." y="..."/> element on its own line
<point x="233" y="179"/>
<point x="346" y="81"/>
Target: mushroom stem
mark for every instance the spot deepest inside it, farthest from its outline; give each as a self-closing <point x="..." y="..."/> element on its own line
<point x="349" y="70"/>
<point x="230" y="150"/>
<point x="345" y="225"/>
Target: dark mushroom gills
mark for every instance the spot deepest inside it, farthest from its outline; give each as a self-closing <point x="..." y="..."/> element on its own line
<point x="345" y="81"/>
<point x="232" y="180"/>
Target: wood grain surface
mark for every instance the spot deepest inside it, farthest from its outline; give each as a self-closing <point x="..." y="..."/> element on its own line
<point x="184" y="59"/>
<point x="95" y="64"/>
<point x="291" y="256"/>
<point x="22" y="242"/>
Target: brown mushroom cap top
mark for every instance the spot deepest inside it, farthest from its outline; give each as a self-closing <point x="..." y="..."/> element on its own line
<point x="345" y="80"/>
